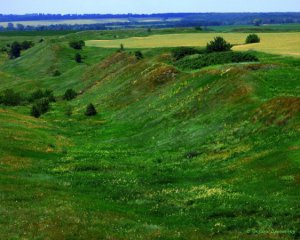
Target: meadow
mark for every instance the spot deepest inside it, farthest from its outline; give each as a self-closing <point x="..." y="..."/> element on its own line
<point x="275" y="43"/>
<point x="211" y="153"/>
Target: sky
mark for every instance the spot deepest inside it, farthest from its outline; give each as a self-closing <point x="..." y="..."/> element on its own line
<point x="146" y="6"/>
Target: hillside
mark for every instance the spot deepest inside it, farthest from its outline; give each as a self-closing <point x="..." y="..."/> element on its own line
<point x="212" y="153"/>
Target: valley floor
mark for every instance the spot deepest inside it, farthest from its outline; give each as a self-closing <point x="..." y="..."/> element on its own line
<point x="172" y="154"/>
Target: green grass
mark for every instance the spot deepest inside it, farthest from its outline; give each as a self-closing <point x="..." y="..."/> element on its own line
<point x="203" y="154"/>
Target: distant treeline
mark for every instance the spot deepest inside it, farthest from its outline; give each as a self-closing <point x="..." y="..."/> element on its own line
<point x="135" y="20"/>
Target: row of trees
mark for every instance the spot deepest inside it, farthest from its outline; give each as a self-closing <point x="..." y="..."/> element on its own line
<point x="41" y="101"/>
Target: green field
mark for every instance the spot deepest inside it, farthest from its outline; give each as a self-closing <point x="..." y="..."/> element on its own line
<point x="173" y="154"/>
<point x="276" y="43"/>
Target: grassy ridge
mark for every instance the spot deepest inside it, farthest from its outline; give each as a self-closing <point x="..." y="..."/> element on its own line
<point x="172" y="155"/>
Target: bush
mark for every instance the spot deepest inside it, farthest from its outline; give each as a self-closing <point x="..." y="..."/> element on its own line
<point x="38" y="94"/>
<point x="15" y="50"/>
<point x="77" y="44"/>
<point x="26" y="45"/>
<point x="252" y="38"/>
<point x="90" y="110"/>
<point x="218" y="45"/>
<point x="78" y="58"/>
<point x="10" y="98"/>
<point x="40" y="107"/>
<point x="181" y="52"/>
<point x="35" y="111"/>
<point x="215" y="58"/>
<point x="69" y="95"/>
<point x="139" y="55"/>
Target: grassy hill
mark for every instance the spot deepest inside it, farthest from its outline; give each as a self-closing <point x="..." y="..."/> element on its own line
<point x="172" y="154"/>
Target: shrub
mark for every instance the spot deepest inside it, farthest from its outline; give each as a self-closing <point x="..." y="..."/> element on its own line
<point x="15" y="50"/>
<point x="215" y="58"/>
<point x="218" y="45"/>
<point x="69" y="95"/>
<point x="181" y="52"/>
<point x="35" y="111"/>
<point x="78" y="58"/>
<point x="77" y="44"/>
<point x="26" y="45"/>
<point x="10" y="98"/>
<point x="38" y="94"/>
<point x="49" y="94"/>
<point x="40" y="107"/>
<point x="90" y="110"/>
<point x="252" y="38"/>
<point x="122" y="47"/>
<point x="139" y="55"/>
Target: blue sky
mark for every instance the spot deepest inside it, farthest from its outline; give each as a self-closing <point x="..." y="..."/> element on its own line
<point x="146" y="6"/>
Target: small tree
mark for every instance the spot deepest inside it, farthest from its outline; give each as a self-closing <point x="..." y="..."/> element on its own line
<point x="252" y="38"/>
<point x="35" y="112"/>
<point x="26" y="45"/>
<point x="15" y="50"/>
<point x="122" y="47"/>
<point x="77" y="44"/>
<point x="218" y="45"/>
<point x="90" y="110"/>
<point x="78" y="58"/>
<point x="139" y="55"/>
<point x="69" y="95"/>
<point x="40" y="107"/>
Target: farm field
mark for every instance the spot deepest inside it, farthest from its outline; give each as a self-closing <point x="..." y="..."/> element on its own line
<point x="276" y="43"/>
<point x="211" y="153"/>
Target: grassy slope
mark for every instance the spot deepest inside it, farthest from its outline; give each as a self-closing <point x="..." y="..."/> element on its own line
<point x="171" y="155"/>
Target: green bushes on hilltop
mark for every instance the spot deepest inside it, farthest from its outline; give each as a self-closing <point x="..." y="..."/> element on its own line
<point x="209" y="59"/>
<point x="181" y="52"/>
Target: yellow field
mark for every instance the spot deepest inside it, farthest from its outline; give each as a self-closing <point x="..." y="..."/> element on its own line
<point x="277" y="43"/>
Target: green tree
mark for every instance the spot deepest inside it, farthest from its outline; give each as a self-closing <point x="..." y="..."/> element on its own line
<point x="252" y="38"/>
<point x="139" y="55"/>
<point x="90" y="110"/>
<point x="122" y="47"/>
<point x="77" y="44"/>
<point x="218" y="45"/>
<point x="15" y="50"/>
<point x="26" y="45"/>
<point x="35" y="112"/>
<point x="40" y="107"/>
<point x="69" y="95"/>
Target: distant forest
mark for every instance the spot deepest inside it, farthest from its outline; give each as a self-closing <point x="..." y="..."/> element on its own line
<point x="135" y="20"/>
